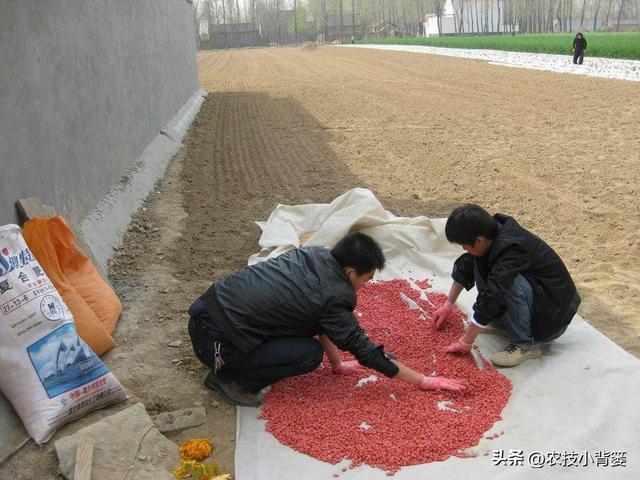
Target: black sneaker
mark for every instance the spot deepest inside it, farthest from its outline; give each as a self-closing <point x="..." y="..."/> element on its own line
<point x="232" y="392"/>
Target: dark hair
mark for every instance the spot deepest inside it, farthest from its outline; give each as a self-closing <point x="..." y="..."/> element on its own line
<point x="467" y="222"/>
<point x="360" y="252"/>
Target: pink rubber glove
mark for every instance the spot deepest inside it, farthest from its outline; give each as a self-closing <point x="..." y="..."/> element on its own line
<point x="351" y="367"/>
<point x="459" y="347"/>
<point x="440" y="383"/>
<point x="442" y="314"/>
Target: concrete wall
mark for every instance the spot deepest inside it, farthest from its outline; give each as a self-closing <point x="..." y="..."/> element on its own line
<point x="85" y="86"/>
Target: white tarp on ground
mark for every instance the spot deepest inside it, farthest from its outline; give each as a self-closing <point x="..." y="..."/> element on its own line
<point x="581" y="399"/>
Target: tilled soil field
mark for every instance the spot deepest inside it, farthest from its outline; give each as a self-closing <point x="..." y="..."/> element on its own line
<point x="558" y="152"/>
<point x="294" y="125"/>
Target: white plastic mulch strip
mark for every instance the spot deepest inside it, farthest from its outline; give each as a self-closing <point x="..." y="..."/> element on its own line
<point x="592" y="66"/>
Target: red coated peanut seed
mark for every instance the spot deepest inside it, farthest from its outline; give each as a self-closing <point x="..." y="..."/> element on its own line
<point x="320" y="413"/>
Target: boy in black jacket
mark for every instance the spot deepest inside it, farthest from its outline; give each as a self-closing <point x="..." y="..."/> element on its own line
<point x="524" y="290"/>
<point x="258" y="325"/>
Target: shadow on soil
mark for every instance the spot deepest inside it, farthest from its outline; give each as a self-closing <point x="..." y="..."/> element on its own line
<point x="246" y="153"/>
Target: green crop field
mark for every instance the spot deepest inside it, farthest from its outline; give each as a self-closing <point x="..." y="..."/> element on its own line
<point x="612" y="45"/>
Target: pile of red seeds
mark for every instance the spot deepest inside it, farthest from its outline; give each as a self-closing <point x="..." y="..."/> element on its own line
<point x="388" y="423"/>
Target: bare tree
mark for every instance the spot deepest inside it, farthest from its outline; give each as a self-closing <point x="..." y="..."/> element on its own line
<point x="585" y="3"/>
<point x="461" y="19"/>
<point x="197" y="14"/>
<point x="621" y="2"/>
<point x="559" y="15"/>
<point x="606" y="20"/>
<point x="353" y="19"/>
<point x="596" y="10"/>
<point x="341" y="21"/>
<point x="295" y="20"/>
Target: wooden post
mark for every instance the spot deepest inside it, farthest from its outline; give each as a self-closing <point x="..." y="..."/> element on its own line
<point x="32" y="207"/>
<point x="84" y="459"/>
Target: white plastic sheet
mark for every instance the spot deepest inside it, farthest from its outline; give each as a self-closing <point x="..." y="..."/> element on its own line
<point x="579" y="401"/>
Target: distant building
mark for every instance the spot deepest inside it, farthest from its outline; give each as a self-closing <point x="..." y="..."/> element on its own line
<point x="329" y="28"/>
<point x="230" y="35"/>
<point x="469" y="17"/>
<point x="275" y="26"/>
<point x="384" y="30"/>
<point x="625" y="25"/>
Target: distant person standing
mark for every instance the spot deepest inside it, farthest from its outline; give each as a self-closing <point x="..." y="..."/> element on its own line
<point x="579" y="46"/>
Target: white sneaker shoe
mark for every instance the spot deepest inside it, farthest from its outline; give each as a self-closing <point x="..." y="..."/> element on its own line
<point x="514" y="355"/>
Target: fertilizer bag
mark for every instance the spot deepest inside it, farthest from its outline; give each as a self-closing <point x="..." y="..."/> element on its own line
<point x="47" y="371"/>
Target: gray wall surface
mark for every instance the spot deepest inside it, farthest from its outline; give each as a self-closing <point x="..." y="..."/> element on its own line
<point x="85" y="86"/>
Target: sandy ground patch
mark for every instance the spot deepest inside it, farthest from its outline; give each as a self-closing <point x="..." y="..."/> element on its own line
<point x="559" y="152"/>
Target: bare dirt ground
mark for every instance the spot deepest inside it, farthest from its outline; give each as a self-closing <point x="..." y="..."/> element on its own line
<point x="291" y="125"/>
<point x="560" y="153"/>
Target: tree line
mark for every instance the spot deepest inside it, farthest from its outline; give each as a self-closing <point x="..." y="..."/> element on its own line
<point x="291" y="20"/>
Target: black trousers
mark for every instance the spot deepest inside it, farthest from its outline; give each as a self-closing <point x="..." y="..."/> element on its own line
<point x="578" y="56"/>
<point x="273" y="360"/>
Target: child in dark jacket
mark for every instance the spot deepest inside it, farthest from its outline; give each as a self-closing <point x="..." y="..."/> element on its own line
<point x="579" y="46"/>
<point x="257" y="326"/>
<point x="524" y="290"/>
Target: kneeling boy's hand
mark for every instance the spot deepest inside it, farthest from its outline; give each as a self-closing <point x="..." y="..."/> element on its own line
<point x="351" y="367"/>
<point x="459" y="347"/>
<point x="441" y="315"/>
<point x="440" y="383"/>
